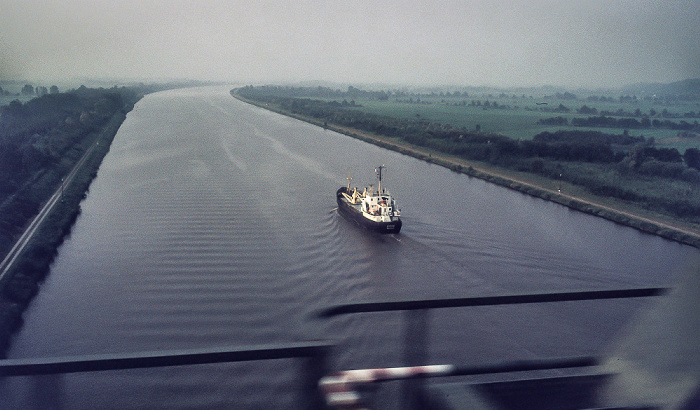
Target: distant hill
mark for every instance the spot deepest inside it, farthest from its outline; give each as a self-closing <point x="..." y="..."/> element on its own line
<point x="689" y="87"/>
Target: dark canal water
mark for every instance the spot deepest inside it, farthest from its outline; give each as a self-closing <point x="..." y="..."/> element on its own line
<point x="213" y="223"/>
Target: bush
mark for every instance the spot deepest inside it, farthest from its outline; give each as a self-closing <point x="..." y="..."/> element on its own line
<point x="690" y="175"/>
<point x="10" y="320"/>
<point x="615" y="192"/>
<point x="20" y="289"/>
<point x="537" y="165"/>
<point x="653" y="167"/>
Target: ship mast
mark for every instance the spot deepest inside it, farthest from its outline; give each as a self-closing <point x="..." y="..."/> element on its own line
<point x="378" y="170"/>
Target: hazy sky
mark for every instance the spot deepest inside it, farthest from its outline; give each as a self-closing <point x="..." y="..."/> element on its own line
<point x="472" y="42"/>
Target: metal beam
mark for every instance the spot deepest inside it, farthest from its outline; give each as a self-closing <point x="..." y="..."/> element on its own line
<point x="527" y="365"/>
<point x="512" y="299"/>
<point x="91" y="363"/>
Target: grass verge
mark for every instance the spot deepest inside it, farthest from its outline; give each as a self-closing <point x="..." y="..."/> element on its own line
<point x="569" y="195"/>
<point x="21" y="283"/>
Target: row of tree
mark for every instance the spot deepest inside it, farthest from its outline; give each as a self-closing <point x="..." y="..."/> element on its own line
<point x="554" y="155"/>
<point x="626" y="123"/>
<point x="29" y="90"/>
<point x="585" y="146"/>
<point x="665" y="113"/>
<point x="315" y="92"/>
<point x="39" y="142"/>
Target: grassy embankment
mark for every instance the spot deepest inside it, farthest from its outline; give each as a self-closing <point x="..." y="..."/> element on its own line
<point x="21" y="283"/>
<point x="572" y="196"/>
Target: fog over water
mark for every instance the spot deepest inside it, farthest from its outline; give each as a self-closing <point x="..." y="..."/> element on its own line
<point x="481" y="42"/>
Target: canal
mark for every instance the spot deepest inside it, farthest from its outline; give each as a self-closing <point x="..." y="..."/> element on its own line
<point x="214" y="223"/>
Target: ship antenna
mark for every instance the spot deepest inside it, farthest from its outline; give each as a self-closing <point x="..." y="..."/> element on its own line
<point x="378" y="170"/>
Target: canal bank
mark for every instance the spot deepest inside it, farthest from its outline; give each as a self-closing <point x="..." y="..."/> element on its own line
<point x="167" y="255"/>
<point x="540" y="187"/>
<point x="30" y="259"/>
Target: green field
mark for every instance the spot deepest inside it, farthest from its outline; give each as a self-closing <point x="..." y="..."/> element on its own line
<point x="519" y="119"/>
<point x="7" y="99"/>
<point x="477" y="138"/>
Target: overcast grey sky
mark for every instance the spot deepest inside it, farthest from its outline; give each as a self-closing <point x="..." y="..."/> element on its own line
<point x="479" y="42"/>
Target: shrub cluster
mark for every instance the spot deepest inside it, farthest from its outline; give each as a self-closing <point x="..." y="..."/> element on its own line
<point x="105" y="115"/>
<point x="550" y="154"/>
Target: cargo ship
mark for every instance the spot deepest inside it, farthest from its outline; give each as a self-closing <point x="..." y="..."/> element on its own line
<point x="374" y="210"/>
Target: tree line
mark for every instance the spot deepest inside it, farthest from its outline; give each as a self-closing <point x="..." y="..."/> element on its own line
<point x="29" y="90"/>
<point x="314" y="92"/>
<point x="628" y="123"/>
<point x="557" y="155"/>
<point x="40" y="140"/>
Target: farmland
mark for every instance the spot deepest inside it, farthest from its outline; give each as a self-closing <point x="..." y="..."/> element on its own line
<point x="629" y="153"/>
<point x="518" y="118"/>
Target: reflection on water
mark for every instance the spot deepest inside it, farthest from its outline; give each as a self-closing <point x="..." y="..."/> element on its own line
<point x="213" y="223"/>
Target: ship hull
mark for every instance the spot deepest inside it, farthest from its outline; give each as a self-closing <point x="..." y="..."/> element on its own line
<point x="356" y="215"/>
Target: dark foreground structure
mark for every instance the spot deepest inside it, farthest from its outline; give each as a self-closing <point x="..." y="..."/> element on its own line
<point x="655" y="365"/>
